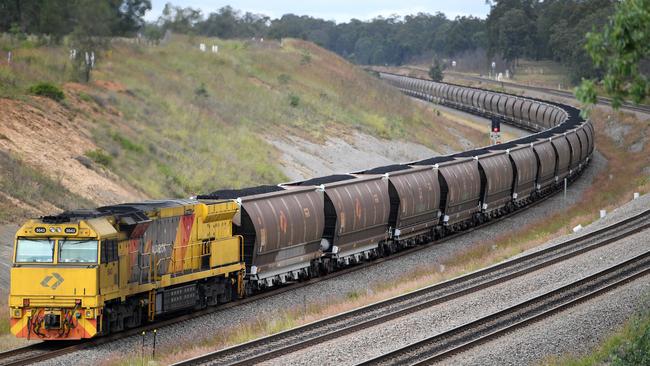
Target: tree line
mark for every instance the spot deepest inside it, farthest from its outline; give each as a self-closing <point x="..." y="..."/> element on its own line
<point x="58" y="18"/>
<point x="550" y="29"/>
<point x="514" y="29"/>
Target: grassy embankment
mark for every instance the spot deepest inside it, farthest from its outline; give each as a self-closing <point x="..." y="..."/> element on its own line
<point x="173" y="121"/>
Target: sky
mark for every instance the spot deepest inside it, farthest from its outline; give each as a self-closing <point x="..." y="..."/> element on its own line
<point x="337" y="10"/>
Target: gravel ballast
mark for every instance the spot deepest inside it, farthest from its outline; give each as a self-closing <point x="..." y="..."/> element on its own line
<point x="415" y="327"/>
<point x="205" y="327"/>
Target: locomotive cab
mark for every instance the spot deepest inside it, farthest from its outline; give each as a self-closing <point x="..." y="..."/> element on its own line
<point x="54" y="292"/>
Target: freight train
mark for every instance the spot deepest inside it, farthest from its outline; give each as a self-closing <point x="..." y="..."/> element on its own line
<point x="86" y="273"/>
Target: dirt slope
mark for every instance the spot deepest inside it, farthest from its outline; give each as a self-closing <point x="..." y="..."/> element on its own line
<point x="52" y="139"/>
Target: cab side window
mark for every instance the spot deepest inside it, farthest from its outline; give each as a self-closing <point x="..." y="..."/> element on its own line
<point x="109" y="251"/>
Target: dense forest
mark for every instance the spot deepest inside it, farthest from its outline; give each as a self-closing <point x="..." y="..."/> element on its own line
<point x="514" y="29"/>
<point x="551" y="29"/>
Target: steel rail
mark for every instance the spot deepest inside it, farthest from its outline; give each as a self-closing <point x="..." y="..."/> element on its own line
<point x="273" y="346"/>
<point x="464" y="337"/>
<point x="36" y="352"/>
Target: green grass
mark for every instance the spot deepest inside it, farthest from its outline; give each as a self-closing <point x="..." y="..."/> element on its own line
<point x="100" y="157"/>
<point x="127" y="144"/>
<point x="630" y="346"/>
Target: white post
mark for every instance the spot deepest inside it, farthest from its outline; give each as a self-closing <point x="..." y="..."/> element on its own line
<point x="636" y="195"/>
<point x="603" y="213"/>
<point x="9" y="57"/>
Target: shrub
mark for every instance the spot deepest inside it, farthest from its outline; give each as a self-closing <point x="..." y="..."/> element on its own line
<point x="305" y="58"/>
<point x="294" y="100"/>
<point x="127" y="144"/>
<point x="85" y="97"/>
<point x="284" y="79"/>
<point x="100" y="157"/>
<point x="435" y="71"/>
<point x="201" y="91"/>
<point x="47" y="90"/>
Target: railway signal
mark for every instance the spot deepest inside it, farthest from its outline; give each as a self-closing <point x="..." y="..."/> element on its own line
<point x="495" y="131"/>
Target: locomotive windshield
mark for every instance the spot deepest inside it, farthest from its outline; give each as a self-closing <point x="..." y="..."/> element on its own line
<point x="78" y="251"/>
<point x="29" y="251"/>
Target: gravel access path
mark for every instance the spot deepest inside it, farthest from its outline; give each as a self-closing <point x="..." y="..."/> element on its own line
<point x="206" y="327"/>
<point x="576" y="330"/>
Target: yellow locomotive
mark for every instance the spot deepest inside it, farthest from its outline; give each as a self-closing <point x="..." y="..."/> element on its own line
<point x="85" y="273"/>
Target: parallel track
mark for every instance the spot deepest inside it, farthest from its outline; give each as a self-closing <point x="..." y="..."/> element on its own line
<point x="276" y="345"/>
<point x="37" y="352"/>
<point x="462" y="338"/>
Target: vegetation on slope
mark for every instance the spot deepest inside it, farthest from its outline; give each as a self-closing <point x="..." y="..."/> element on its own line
<point x="174" y="121"/>
<point x="27" y="189"/>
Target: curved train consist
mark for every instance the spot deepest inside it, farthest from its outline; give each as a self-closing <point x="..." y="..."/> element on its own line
<point x="86" y="273"/>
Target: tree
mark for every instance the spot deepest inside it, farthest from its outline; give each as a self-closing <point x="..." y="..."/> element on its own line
<point x="513" y="36"/>
<point x="181" y="20"/>
<point x="55" y="19"/>
<point x="435" y="71"/>
<point x="619" y="50"/>
<point x="91" y="32"/>
<point x="129" y="16"/>
<point x="153" y="33"/>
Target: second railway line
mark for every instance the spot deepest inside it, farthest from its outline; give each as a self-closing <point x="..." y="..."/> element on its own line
<point x="274" y="346"/>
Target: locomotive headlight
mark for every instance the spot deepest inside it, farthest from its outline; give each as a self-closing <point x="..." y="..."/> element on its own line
<point x="90" y="313"/>
<point x="16" y="313"/>
<point x="52" y="230"/>
<point x="58" y="229"/>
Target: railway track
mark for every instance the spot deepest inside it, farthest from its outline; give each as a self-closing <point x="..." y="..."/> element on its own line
<point x="60" y="350"/>
<point x="38" y="352"/>
<point x="462" y="338"/>
<point x="276" y="345"/>
<point x="46" y="350"/>
<point x="560" y="93"/>
<point x="556" y="92"/>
